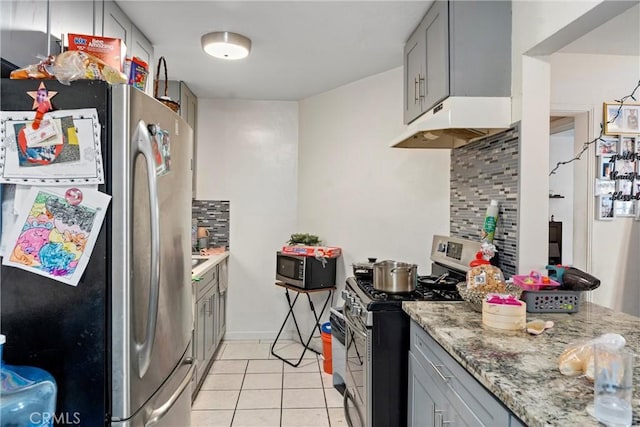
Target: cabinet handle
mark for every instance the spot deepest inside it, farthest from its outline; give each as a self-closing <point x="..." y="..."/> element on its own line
<point x="421" y="86"/>
<point x="442" y="421"/>
<point x="436" y="368"/>
<point x="416" y="89"/>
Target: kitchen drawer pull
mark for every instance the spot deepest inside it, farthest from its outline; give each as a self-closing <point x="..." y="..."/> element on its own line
<point x="442" y="421"/>
<point x="436" y="368"/>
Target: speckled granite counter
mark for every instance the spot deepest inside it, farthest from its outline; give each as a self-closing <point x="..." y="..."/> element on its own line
<point x="522" y="369"/>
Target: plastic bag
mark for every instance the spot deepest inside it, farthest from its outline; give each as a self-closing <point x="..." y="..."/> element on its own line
<point x="577" y="358"/>
<point x="486" y="278"/>
<point x="69" y="66"/>
<point x="76" y="65"/>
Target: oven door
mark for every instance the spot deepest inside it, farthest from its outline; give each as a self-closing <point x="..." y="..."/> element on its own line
<point x="357" y="373"/>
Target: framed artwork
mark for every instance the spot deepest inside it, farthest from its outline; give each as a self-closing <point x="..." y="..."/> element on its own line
<point x="621" y="118"/>
<point x="605" y="207"/>
<point x="625" y="208"/>
<point x="605" y="167"/>
<point x="627" y="145"/>
<point x="607" y="145"/>
<point x="605" y="186"/>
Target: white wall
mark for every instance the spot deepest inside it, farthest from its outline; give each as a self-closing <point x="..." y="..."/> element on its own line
<point x="590" y="80"/>
<point x="541" y="28"/>
<point x="358" y="193"/>
<point x="247" y="153"/>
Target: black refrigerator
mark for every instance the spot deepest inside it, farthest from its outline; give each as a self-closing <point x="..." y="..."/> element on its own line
<point x="119" y="343"/>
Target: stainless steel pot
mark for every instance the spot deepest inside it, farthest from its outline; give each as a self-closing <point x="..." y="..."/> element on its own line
<point x="395" y="277"/>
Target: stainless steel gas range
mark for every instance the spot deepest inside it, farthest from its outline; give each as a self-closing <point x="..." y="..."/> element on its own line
<point x="377" y="335"/>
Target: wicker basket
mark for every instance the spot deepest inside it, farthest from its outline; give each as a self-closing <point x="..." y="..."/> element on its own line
<point x="175" y="106"/>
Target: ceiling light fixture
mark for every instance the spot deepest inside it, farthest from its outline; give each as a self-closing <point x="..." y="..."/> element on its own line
<point x="226" y="45"/>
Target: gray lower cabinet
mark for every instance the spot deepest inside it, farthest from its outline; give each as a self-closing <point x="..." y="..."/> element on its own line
<point x="442" y="392"/>
<point x="223" y="280"/>
<point x="205" y="332"/>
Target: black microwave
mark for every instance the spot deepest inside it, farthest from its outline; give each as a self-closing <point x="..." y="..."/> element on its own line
<point x="306" y="272"/>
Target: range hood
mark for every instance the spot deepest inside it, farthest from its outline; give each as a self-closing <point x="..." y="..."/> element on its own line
<point x="457" y="121"/>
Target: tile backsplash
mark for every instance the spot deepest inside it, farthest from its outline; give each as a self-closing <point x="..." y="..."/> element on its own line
<point x="213" y="214"/>
<point x="481" y="171"/>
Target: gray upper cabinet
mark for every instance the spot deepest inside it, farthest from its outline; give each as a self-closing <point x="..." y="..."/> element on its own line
<point x="426" y="77"/>
<point x="71" y="17"/>
<point x="179" y="91"/>
<point x="24" y="27"/>
<point x="460" y="48"/>
<point x="115" y="23"/>
<point x="141" y="47"/>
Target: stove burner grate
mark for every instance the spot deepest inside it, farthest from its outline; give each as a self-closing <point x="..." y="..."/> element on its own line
<point x="425" y="291"/>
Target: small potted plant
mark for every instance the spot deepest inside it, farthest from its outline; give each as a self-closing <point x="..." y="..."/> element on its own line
<point x="304" y="239"/>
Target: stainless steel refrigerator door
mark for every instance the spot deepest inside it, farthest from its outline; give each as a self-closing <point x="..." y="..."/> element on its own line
<point x="151" y="248"/>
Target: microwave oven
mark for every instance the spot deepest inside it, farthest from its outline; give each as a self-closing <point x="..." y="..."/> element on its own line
<point x="306" y="272"/>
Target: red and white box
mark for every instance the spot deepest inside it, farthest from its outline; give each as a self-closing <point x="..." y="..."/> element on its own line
<point x="316" y="251"/>
<point x="111" y="51"/>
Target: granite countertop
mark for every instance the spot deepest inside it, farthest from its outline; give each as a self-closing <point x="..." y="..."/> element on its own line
<point x="212" y="261"/>
<point x="522" y="369"/>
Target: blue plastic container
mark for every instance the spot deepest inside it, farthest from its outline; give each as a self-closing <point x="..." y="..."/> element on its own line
<point x="27" y="395"/>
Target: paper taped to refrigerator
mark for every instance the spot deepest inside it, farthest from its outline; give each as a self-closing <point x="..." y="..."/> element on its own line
<point x="56" y="231"/>
<point x="65" y="149"/>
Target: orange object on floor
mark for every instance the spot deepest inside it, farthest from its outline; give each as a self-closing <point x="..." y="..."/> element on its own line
<point x="326" y="348"/>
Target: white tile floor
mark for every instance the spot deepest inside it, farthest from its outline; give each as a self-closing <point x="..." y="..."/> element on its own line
<point x="248" y="386"/>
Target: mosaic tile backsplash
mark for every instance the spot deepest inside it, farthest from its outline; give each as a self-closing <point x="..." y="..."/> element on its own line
<point x="213" y="214"/>
<point x="481" y="171"/>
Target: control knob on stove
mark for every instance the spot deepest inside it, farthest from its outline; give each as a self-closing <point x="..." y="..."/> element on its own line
<point x="357" y="310"/>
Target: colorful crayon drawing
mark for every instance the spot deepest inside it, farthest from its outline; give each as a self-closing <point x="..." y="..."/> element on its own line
<point x="55" y="238"/>
<point x="54" y="235"/>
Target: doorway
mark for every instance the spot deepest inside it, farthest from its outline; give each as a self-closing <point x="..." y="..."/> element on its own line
<point x="569" y="195"/>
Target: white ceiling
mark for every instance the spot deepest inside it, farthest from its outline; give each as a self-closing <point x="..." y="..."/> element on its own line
<point x="299" y="48"/>
<point x="303" y="48"/>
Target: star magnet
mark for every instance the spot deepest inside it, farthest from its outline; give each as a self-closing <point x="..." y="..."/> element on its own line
<point x="41" y="102"/>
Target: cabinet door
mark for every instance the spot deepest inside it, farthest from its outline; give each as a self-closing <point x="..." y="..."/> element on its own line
<point x="199" y="344"/>
<point x="436" y="34"/>
<point x="414" y="60"/>
<point x="222" y="313"/>
<point x="141" y="47"/>
<point x="24" y="32"/>
<point x="115" y="23"/>
<point x="210" y="326"/>
<point x="424" y="397"/>
<point x="71" y="17"/>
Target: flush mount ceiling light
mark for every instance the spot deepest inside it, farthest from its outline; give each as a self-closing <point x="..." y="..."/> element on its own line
<point x="226" y="45"/>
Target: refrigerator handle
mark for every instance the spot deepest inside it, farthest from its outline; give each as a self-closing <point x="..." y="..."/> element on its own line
<point x="141" y="144"/>
<point x="161" y="411"/>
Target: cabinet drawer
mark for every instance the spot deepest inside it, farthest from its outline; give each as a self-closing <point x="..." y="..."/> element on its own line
<point x="463" y="391"/>
<point x="209" y="279"/>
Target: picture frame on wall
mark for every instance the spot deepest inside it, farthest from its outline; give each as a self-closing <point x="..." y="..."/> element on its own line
<point x="605" y="186"/>
<point x="620" y="119"/>
<point x="605" y="207"/>
<point x="605" y="167"/>
<point x="607" y="145"/>
<point x="625" y="208"/>
<point x="628" y="145"/>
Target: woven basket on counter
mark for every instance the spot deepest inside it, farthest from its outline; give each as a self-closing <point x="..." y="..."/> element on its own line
<point x="175" y="106"/>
